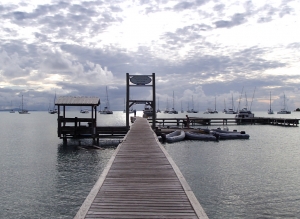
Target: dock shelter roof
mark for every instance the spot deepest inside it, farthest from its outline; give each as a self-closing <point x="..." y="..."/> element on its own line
<point x="77" y="101"/>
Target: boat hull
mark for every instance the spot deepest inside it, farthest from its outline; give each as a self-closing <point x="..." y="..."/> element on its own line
<point x="199" y="136"/>
<point x="224" y="134"/>
<point x="175" y="136"/>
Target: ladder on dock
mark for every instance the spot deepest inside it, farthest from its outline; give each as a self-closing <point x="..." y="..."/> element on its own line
<point x="141" y="181"/>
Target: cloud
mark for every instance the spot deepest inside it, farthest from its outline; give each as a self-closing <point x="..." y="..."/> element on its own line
<point x="236" y="19"/>
<point x="200" y="48"/>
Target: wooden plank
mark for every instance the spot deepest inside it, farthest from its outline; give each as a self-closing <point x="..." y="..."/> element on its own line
<point x="141" y="181"/>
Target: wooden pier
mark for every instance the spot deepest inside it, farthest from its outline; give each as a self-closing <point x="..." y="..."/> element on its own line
<point x="225" y="121"/>
<point x="141" y="181"/>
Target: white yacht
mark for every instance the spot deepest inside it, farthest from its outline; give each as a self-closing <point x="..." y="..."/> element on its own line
<point x="84" y="111"/>
<point x="148" y="111"/>
<point x="244" y="113"/>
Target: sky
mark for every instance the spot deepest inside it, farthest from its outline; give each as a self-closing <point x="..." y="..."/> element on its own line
<point x="204" y="53"/>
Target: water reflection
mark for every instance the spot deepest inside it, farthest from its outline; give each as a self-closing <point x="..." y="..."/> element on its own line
<point x="77" y="170"/>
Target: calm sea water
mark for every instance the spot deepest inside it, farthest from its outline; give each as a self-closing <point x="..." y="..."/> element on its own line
<point x="255" y="178"/>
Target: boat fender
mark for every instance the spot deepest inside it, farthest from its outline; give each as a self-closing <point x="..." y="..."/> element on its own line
<point x="243" y="132"/>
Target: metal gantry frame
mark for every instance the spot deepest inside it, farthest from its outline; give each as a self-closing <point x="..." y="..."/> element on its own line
<point x="130" y="102"/>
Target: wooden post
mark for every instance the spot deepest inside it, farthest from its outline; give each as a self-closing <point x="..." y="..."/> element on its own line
<point x="127" y="101"/>
<point x="153" y="102"/>
<point x="65" y="140"/>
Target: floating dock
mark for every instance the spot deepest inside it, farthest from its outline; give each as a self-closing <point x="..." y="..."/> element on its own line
<point x="141" y="181"/>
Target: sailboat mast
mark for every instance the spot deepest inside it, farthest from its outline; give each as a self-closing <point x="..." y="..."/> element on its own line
<point x="192" y="103"/>
<point x="173" y="100"/>
<point x="252" y="98"/>
<point x="107" y="102"/>
<point x="215" y="103"/>
<point x="284" y="101"/>
<point x="270" y="101"/>
<point x="240" y="99"/>
<point x="54" y="101"/>
<point x="232" y="102"/>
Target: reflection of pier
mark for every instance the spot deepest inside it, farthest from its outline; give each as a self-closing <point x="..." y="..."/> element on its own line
<point x="141" y="181"/>
<point x="225" y="121"/>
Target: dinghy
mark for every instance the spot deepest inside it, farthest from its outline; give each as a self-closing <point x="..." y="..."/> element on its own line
<point x="199" y="136"/>
<point x="175" y="136"/>
<point x="226" y="134"/>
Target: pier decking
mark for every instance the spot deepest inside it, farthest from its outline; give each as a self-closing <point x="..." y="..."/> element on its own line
<point x="141" y="181"/>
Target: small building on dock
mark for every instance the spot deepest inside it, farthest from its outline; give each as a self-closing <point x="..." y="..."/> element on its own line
<point x="76" y="127"/>
<point x="80" y="128"/>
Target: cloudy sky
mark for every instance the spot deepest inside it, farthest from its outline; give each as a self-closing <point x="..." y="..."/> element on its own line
<point x="205" y="49"/>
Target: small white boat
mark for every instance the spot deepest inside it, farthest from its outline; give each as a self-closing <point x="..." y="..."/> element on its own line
<point x="84" y="111"/>
<point x="52" y="111"/>
<point x="106" y="111"/>
<point x="208" y="111"/>
<point x="230" y="111"/>
<point x="191" y="111"/>
<point x="244" y="113"/>
<point x="173" y="111"/>
<point x="199" y="136"/>
<point x="175" y="136"/>
<point x="148" y="111"/>
<point x="283" y="111"/>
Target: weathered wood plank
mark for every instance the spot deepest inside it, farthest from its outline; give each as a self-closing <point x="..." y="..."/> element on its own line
<point x="141" y="181"/>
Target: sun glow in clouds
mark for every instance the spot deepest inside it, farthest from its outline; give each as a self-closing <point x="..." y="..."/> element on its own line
<point x="141" y="29"/>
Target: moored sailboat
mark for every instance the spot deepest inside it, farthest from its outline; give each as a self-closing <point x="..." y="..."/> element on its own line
<point x="106" y="109"/>
<point x="270" y="111"/>
<point x="23" y="111"/>
<point x="173" y="111"/>
<point x="284" y="110"/>
<point x="53" y="110"/>
<point x="192" y="110"/>
<point x="231" y="110"/>
<point x="11" y="109"/>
